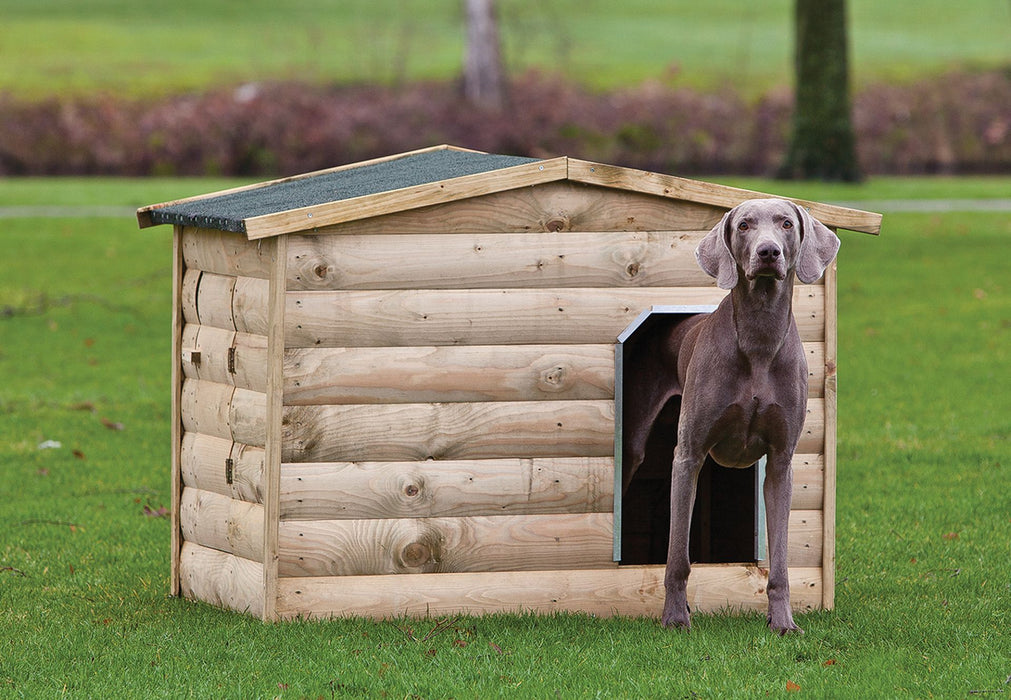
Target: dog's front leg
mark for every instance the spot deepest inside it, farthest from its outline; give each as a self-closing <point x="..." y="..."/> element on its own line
<point x="684" y="477"/>
<point x="778" y="491"/>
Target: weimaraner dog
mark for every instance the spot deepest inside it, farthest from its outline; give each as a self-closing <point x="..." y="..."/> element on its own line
<point x="742" y="376"/>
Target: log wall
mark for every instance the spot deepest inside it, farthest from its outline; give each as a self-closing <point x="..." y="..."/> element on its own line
<point x="443" y="401"/>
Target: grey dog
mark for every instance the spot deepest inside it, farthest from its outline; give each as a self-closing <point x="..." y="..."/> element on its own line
<point x="742" y="377"/>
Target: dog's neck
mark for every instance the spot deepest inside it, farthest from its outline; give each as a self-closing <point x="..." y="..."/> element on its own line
<point x="763" y="314"/>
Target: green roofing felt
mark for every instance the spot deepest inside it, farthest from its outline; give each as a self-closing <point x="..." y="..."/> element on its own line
<point x="228" y="211"/>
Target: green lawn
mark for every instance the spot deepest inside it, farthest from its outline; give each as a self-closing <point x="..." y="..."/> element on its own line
<point x="924" y="513"/>
<point x="146" y="47"/>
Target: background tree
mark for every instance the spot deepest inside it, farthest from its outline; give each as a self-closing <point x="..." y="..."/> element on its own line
<point x="483" y="79"/>
<point x="822" y="144"/>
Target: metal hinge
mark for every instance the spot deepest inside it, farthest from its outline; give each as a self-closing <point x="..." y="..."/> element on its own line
<point x="229" y="470"/>
<point x="231" y="360"/>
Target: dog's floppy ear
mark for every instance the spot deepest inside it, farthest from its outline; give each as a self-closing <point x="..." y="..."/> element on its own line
<point x="818" y="246"/>
<point x="714" y="255"/>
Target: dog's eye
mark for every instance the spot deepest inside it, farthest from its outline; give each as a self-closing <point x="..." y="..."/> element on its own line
<point x="787" y="223"/>
<point x="743" y="226"/>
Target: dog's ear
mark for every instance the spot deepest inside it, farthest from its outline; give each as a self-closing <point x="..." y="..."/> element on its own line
<point x="714" y="255"/>
<point x="818" y="246"/>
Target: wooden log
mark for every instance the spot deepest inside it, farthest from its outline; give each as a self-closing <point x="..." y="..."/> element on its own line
<point x="548" y="208"/>
<point x="251" y="306"/>
<point x="447" y="373"/>
<point x="634" y="591"/>
<point x="416" y="432"/>
<point x="808" y="481"/>
<point x="495" y="261"/>
<point x="222" y="523"/>
<point x="226" y="357"/>
<point x="188" y="295"/>
<point x="221" y="579"/>
<point x="224" y="253"/>
<point x="497" y="316"/>
<point x="371" y="490"/>
<point x="214" y="301"/>
<point x="207" y="461"/>
<point x="418" y="545"/>
<point x="224" y="411"/>
<point x="458" y="188"/>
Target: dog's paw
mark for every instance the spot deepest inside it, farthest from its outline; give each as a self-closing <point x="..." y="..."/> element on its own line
<point x="783" y="625"/>
<point x="677" y="616"/>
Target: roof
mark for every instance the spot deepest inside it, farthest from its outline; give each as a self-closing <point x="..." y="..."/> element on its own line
<point x="433" y="176"/>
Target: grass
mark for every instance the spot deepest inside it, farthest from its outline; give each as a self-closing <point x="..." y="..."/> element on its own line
<point x="923" y="525"/>
<point x="144" y="47"/>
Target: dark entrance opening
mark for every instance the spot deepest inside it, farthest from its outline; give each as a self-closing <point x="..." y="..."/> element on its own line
<point x="727" y="519"/>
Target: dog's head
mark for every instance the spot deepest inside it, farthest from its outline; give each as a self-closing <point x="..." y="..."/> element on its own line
<point x="767" y="238"/>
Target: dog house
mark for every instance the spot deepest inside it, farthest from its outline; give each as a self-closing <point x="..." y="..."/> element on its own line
<point x="395" y="391"/>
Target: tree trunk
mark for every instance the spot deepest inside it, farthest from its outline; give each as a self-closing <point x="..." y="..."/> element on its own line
<point x="822" y="145"/>
<point x="483" y="81"/>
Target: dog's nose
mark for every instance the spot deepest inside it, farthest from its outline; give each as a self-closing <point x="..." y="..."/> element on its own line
<point x="769" y="252"/>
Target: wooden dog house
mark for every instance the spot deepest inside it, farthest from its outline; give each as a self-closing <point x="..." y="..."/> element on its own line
<point x="394" y="387"/>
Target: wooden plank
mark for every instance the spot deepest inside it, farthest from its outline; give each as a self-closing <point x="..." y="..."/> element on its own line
<point x="450" y="488"/>
<point x="812" y="439"/>
<point x="226" y="357"/>
<point x="420" y="545"/>
<point x="808" y="481"/>
<point x="144" y="213"/>
<point x="549" y="207"/>
<point x="634" y="591"/>
<point x="219" y="522"/>
<point x="273" y="430"/>
<point x="416" y="432"/>
<point x="497" y="316"/>
<point x="313" y="217"/>
<point x="448" y="373"/>
<point x="495" y="260"/>
<point x="709" y="193"/>
<point x="829" y="506"/>
<point x="251" y="306"/>
<point x="224" y="253"/>
<point x="221" y="579"/>
<point x="804" y="546"/>
<point x="175" y="483"/>
<point x="224" y="411"/>
<point x="815" y="354"/>
<point x="204" y="466"/>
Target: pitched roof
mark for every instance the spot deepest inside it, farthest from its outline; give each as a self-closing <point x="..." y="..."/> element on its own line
<point x="432" y="176"/>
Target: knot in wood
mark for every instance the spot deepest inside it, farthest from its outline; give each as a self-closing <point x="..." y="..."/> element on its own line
<point x="321" y="270"/>
<point x="554" y="378"/>
<point x="557" y="223"/>
<point x="632" y="269"/>
<point x="412" y="490"/>
<point x="415" y="554"/>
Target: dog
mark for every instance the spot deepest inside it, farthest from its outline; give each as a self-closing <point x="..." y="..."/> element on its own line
<point x="742" y="377"/>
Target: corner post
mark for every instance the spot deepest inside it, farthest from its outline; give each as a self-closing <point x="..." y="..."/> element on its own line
<point x="828" y="505"/>
<point x="178" y="270"/>
<point x="275" y="408"/>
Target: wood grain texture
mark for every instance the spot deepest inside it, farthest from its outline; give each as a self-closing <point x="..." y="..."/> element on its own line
<point x="634" y="591"/>
<point x="709" y="193"/>
<point x="551" y="207"/>
<point x="224" y="411"/>
<point x="448" y="373"/>
<point x="831" y="465"/>
<point x="453" y="488"/>
<point x="222" y="523"/>
<point x="416" y="432"/>
<point x="497" y="316"/>
<point x="495" y="260"/>
<point x="805" y="539"/>
<point x="224" y="253"/>
<point x="430" y="545"/>
<point x="221" y="579"/>
<point x="203" y="467"/>
<point x="808" y="481"/>
<point x="407" y="198"/>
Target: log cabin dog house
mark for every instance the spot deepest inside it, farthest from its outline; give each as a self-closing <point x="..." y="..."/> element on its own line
<point x="397" y="390"/>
